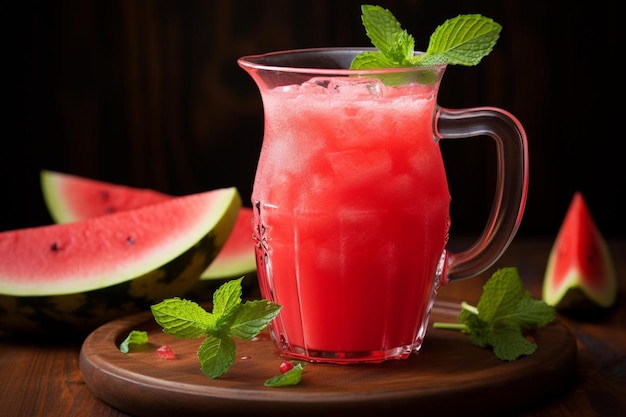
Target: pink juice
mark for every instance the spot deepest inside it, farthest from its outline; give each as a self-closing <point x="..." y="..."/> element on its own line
<point x="351" y="218"/>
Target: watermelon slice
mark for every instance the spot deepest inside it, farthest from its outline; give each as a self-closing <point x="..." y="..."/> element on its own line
<point x="75" y="276"/>
<point x="580" y="271"/>
<point x="71" y="197"/>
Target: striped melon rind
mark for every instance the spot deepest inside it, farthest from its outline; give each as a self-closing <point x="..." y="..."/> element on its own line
<point x="79" y="307"/>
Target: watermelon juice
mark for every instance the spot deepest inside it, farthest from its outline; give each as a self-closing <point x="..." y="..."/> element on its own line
<point x="351" y="217"/>
<point x="351" y="201"/>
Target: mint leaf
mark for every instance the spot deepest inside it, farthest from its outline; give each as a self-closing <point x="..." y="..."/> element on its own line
<point x="249" y="320"/>
<point x="183" y="318"/>
<point x="227" y="296"/>
<point x="380" y="26"/>
<point x="229" y="318"/>
<point x="291" y="377"/>
<point x="371" y="61"/>
<point x="533" y="313"/>
<point x="509" y="344"/>
<point x="505" y="311"/>
<point x="505" y="301"/>
<point x="501" y="294"/>
<point x="216" y="355"/>
<point x="137" y="337"/>
<point x="386" y="34"/>
<point x="463" y="40"/>
<point x="395" y="46"/>
<point x="376" y="60"/>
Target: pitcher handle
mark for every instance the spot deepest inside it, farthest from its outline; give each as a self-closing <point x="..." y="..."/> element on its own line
<point x="511" y="184"/>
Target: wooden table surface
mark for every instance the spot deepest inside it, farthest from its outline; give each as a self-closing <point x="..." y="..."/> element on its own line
<point x="42" y="377"/>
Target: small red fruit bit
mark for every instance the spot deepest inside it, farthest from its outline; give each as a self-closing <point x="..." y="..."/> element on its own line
<point x="166" y="352"/>
<point x="285" y="366"/>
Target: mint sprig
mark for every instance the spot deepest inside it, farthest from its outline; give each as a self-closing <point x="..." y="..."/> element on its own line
<point x="229" y="318"/>
<point x="463" y="40"/>
<point x="505" y="312"/>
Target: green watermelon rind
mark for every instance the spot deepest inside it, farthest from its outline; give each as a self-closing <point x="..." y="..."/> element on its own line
<point x="239" y="264"/>
<point x="245" y="266"/>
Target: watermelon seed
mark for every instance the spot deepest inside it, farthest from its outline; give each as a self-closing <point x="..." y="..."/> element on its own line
<point x="55" y="247"/>
<point x="105" y="196"/>
<point x="130" y="240"/>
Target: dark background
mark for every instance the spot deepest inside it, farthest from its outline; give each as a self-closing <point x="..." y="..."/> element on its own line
<point x="148" y="94"/>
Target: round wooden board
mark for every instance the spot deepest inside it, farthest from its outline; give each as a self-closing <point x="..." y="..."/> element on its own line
<point x="448" y="377"/>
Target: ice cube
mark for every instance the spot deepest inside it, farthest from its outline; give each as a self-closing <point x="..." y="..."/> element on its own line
<point x="357" y="86"/>
<point x="345" y="85"/>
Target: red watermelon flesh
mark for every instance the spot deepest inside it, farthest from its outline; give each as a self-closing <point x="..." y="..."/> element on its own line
<point x="580" y="267"/>
<point x="71" y="197"/>
<point x="106" y="250"/>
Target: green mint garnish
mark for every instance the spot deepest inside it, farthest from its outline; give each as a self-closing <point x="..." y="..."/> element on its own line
<point x="504" y="312"/>
<point x="136" y="337"/>
<point x="463" y="40"/>
<point x="291" y="377"/>
<point x="229" y="318"/>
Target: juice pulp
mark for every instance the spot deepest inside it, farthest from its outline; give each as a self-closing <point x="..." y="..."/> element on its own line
<point x="351" y="217"/>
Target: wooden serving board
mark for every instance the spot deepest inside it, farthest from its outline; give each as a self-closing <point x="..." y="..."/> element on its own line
<point x="448" y="377"/>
